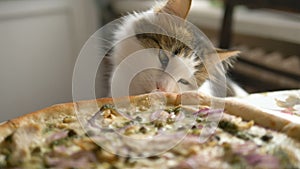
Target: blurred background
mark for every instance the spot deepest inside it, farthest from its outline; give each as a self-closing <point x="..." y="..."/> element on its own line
<point x="41" y="39"/>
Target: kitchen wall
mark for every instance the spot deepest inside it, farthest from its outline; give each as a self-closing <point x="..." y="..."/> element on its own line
<point x="39" y="43"/>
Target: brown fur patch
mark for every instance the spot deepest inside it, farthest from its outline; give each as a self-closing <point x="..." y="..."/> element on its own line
<point x="201" y="75"/>
<point x="164" y="34"/>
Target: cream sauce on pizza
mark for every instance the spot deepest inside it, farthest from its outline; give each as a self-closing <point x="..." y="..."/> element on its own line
<point x="61" y="142"/>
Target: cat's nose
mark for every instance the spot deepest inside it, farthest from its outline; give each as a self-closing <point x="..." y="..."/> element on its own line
<point x="160" y="87"/>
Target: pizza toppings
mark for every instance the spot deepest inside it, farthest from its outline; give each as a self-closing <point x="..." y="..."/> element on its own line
<point x="248" y="154"/>
<point x="235" y="144"/>
<point x="228" y="127"/>
<point x="57" y="136"/>
<point x="262" y="161"/>
<point x="266" y="137"/>
<point x="69" y="119"/>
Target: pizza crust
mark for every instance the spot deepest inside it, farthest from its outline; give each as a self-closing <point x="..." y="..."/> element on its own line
<point x="232" y="107"/>
<point x="41" y="131"/>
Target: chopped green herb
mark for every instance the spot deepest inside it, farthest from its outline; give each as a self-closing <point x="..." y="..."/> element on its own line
<point x="69" y="119"/>
<point x="195" y="131"/>
<point x="58" y="142"/>
<point x="243" y="135"/>
<point x="143" y="130"/>
<point x="266" y="138"/>
<point x="232" y="128"/>
<point x="107" y="106"/>
<point x="138" y="118"/>
<point x="228" y="127"/>
<point x="217" y="138"/>
<point x="177" y="110"/>
<point x="199" y="119"/>
<point x="169" y="110"/>
<point x="131" y="122"/>
<point x="72" y="133"/>
<point x="170" y="120"/>
<point x="158" y="124"/>
<point x="36" y="151"/>
<point x="234" y="159"/>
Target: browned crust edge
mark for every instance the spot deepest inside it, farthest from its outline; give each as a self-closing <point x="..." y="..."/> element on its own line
<point x="67" y="109"/>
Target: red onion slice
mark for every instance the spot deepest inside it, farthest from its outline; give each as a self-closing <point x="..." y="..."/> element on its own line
<point x="207" y="111"/>
<point x="57" y="136"/>
<point x="264" y="161"/>
<point x="159" y="115"/>
<point x="78" y="160"/>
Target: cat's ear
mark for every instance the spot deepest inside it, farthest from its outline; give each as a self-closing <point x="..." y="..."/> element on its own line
<point x="179" y="8"/>
<point x="227" y="54"/>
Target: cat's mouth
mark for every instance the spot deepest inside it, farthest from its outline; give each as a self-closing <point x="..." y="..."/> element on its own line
<point x="153" y="80"/>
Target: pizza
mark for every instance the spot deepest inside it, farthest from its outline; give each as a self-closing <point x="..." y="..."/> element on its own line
<point x="78" y="135"/>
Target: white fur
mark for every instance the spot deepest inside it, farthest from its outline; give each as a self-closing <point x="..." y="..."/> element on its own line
<point x="147" y="81"/>
<point x="156" y="79"/>
<point x="125" y="41"/>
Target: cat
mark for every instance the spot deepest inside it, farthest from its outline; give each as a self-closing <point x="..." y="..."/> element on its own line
<point x="169" y="50"/>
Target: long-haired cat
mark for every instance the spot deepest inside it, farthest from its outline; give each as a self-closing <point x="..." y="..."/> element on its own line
<point x="169" y="50"/>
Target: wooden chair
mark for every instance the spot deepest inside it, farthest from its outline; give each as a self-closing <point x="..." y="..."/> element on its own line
<point x="257" y="82"/>
<point x="229" y="5"/>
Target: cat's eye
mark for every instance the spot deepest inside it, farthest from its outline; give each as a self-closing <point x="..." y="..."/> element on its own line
<point x="183" y="81"/>
<point x="163" y="58"/>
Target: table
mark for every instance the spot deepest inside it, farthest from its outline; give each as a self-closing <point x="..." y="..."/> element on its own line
<point x="285" y="104"/>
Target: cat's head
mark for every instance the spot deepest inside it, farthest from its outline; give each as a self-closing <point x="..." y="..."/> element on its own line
<point x="163" y="28"/>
